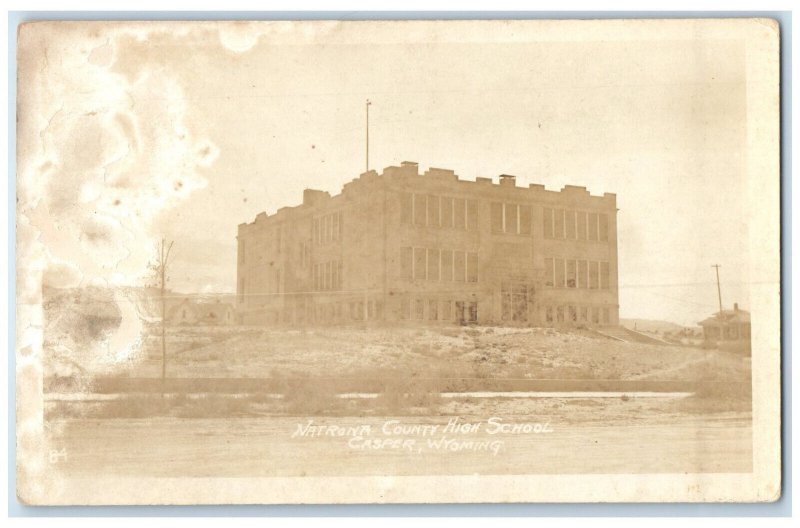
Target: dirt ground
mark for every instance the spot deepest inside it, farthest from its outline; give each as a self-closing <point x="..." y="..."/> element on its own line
<point x="709" y="431"/>
<point x="576" y="437"/>
<point x="525" y="353"/>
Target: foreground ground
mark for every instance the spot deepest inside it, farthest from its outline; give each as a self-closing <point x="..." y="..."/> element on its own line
<point x="236" y="397"/>
<point x="556" y="436"/>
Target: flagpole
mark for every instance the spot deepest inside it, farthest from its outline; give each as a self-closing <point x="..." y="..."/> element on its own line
<point x="367" y="107"/>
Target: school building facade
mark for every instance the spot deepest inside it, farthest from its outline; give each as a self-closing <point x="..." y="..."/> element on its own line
<point x="404" y="246"/>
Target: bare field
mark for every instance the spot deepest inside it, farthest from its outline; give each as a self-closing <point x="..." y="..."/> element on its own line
<point x="527" y="353"/>
<point x="250" y="433"/>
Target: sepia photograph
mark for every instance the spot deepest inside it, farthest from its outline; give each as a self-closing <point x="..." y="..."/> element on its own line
<point x="433" y="261"/>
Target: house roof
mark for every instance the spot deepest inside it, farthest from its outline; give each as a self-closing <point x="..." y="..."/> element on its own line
<point x="727" y="317"/>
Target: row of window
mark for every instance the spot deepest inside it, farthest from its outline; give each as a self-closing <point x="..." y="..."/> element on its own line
<point x="444" y="265"/>
<point x="438" y="211"/>
<point x="328" y="275"/>
<point x="326" y="229"/>
<point x="353" y="311"/>
<point x="514" y="219"/>
<point x="437" y="310"/>
<point x="575" y="225"/>
<point x="577" y="314"/>
<point x="326" y="313"/>
<point x="571" y="273"/>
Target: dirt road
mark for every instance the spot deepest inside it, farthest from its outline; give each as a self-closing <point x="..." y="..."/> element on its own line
<point x="321" y="446"/>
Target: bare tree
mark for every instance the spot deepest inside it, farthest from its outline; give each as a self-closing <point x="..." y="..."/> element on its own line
<point x="163" y="250"/>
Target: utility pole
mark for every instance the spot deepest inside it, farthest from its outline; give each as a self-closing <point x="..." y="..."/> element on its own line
<point x="719" y="291"/>
<point x="367" y="107"/>
<point x="161" y="269"/>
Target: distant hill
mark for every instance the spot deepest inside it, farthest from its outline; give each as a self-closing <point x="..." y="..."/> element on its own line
<point x="652" y="326"/>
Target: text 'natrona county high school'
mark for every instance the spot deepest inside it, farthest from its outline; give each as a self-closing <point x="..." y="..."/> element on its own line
<point x="400" y="246"/>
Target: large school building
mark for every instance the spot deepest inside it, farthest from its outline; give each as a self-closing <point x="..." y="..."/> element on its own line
<point x="404" y="246"/>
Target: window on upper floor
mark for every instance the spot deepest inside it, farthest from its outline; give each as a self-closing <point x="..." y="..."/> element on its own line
<point x="593" y="226"/>
<point x="447" y="211"/>
<point x="603" y="227"/>
<point x="512" y="219"/>
<point x="327" y="228"/>
<point x="548" y="220"/>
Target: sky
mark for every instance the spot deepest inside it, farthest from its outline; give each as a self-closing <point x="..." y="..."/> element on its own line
<point x="139" y="132"/>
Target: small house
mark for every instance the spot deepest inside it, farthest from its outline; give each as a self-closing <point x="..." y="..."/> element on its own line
<point x="727" y="325"/>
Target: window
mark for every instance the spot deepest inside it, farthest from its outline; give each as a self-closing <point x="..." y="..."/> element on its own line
<point x="593" y="275"/>
<point x="596" y="315"/>
<point x="433" y="210"/>
<point x="572" y="278"/>
<point x="241" y="251"/>
<point x="582" y="228"/>
<point x="511" y="219"/>
<point x="547" y="223"/>
<point x="548" y="314"/>
<point x="593" y="226"/>
<point x="584" y="314"/>
<point x="558" y="223"/>
<point x="473" y="312"/>
<point x="305" y="254"/>
<point x="325" y="229"/>
<point x="433" y="264"/>
<point x="524" y="219"/>
<point x="447" y="212"/>
<point x="604" y="276"/>
<point x="460" y="312"/>
<point x="447" y="265"/>
<point x="406" y="208"/>
<point x="460" y="213"/>
<point x="570" y="225"/>
<point x="583" y="271"/>
<point x="420" y="263"/>
<point x="406" y="263"/>
<point x="420" y="209"/>
<point x="549" y="272"/>
<point x="335" y="230"/>
<point x="327" y="275"/>
<point x="572" y="311"/>
<point x="433" y="312"/>
<point x="459" y="266"/>
<point x="603" y="227"/>
<point x="405" y="308"/>
<point x="472" y="267"/>
<point x="559" y="263"/>
<point x="472" y="215"/>
<point x="560" y="314"/>
<point x="419" y="309"/>
<point x="447" y="310"/>
<point x="497" y="217"/>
